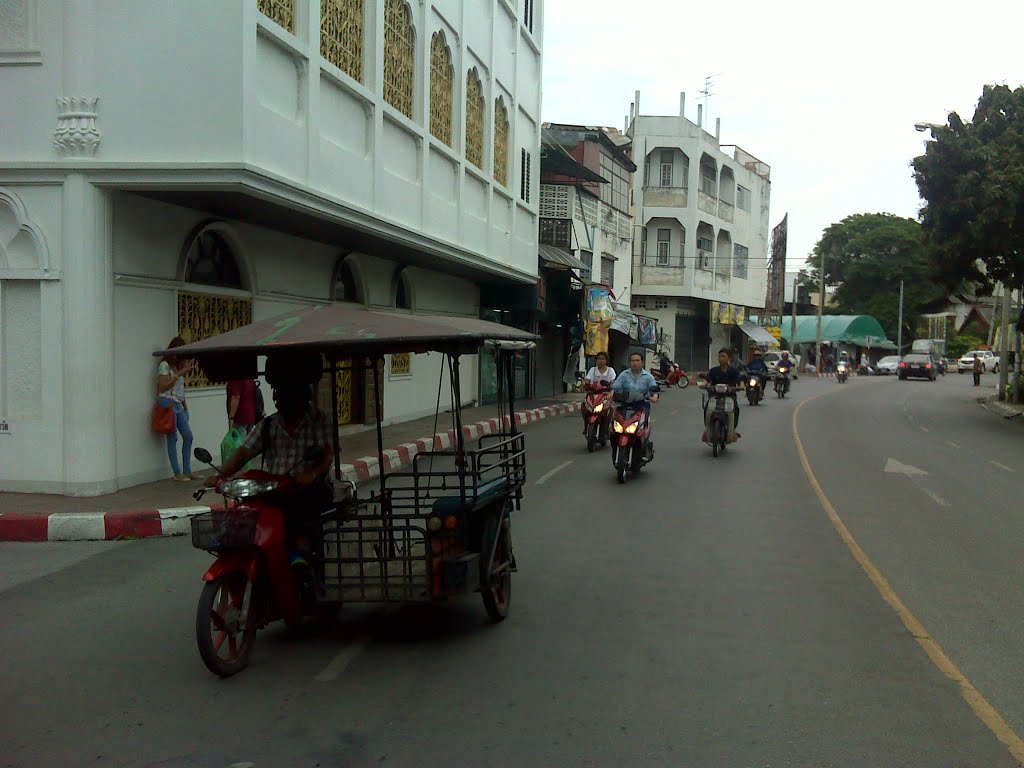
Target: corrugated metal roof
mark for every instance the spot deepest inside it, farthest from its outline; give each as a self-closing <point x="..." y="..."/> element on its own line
<point x="563" y="258"/>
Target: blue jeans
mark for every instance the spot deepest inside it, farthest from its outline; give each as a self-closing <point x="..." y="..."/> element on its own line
<point x="180" y="425"/>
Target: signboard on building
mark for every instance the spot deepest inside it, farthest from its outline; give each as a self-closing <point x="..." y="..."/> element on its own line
<point x="775" y="331"/>
<point x="6" y="427"/>
<point x="724" y="313"/>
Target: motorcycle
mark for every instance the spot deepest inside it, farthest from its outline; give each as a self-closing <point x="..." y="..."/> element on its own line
<point x="782" y="382"/>
<point x="841" y="373"/>
<point x="755" y="388"/>
<point x="718" y="426"/>
<point x="632" y="447"/>
<point x="251" y="583"/>
<point x="596" y="413"/>
<point x="676" y="377"/>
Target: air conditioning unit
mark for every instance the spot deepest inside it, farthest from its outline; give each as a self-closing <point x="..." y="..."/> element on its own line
<point x="705" y="261"/>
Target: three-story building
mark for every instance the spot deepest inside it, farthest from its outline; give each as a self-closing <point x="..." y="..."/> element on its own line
<point x="182" y="168"/>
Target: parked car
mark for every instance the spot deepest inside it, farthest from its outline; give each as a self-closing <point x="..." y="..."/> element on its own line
<point x="918" y="367"/>
<point x="989" y="361"/>
<point x="888" y="366"/>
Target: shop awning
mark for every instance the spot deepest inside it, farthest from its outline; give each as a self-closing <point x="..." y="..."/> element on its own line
<point x="859" y="330"/>
<point x="562" y="258"/>
<point x="758" y="335"/>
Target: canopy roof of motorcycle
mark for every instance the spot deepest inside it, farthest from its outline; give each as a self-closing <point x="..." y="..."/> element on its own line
<point x="860" y="330"/>
<point x="341" y="330"/>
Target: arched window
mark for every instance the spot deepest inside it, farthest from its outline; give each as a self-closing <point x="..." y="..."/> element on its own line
<point x="210" y="261"/>
<point x="402" y="290"/>
<point x="345" y="286"/>
<point x="399" y="53"/>
<point x="341" y="35"/>
<point x="441" y="89"/>
<point x="474" y="119"/>
<point x="500" y="142"/>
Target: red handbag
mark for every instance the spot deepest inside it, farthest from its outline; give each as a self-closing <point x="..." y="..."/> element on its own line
<point x="162" y="418"/>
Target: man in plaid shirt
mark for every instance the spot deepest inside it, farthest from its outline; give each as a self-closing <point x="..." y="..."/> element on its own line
<point x="283" y="438"/>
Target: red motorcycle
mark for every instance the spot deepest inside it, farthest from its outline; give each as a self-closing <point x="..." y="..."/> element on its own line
<point x="676" y="377"/>
<point x="631" y="439"/>
<point x="251" y="583"/>
<point x="596" y="415"/>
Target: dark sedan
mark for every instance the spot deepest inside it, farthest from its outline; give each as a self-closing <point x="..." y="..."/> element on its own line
<point x="918" y="367"/>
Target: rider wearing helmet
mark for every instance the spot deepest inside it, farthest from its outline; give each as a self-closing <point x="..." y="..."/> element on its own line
<point x="283" y="438"/>
<point x="757" y="365"/>
<point x="786" y="362"/>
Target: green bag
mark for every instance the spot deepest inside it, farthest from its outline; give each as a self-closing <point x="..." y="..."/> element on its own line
<point x="234" y="438"/>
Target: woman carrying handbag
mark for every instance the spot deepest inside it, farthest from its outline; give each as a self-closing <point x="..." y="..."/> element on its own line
<point x="170" y="385"/>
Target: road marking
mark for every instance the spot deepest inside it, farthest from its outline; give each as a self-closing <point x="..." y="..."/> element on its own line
<point x="1002" y="466"/>
<point x="548" y="475"/>
<point x="988" y="714"/>
<point x="951" y="444"/>
<point x="925" y="429"/>
<point x="935" y="497"/>
<point x="338" y="664"/>
<point x="894" y="467"/>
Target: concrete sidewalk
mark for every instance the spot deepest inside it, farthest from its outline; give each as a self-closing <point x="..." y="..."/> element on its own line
<point x="163" y="508"/>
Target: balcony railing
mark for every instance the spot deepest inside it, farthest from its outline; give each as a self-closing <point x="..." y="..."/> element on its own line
<point x="652" y="260"/>
<point x="725" y="210"/>
<point x="666" y="197"/>
<point x="707" y="203"/>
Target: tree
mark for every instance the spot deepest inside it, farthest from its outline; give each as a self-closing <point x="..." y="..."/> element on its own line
<point x="972" y="180"/>
<point x="866" y="255"/>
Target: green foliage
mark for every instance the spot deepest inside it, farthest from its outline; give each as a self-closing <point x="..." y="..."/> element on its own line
<point x="867" y="255"/>
<point x="972" y="179"/>
<point x="957" y="345"/>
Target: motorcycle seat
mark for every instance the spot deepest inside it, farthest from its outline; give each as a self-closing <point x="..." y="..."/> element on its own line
<point x="474" y="497"/>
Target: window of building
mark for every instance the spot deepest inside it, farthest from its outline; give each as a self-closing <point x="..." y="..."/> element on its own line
<point x="500" y="142"/>
<point x="615" y="192"/>
<point x="528" y="14"/>
<point x="441" y="88"/>
<point x="661" y="302"/>
<point x="402" y="298"/>
<point x="556" y="232"/>
<point x="401" y="364"/>
<point x="643" y="242"/>
<point x="705" y="253"/>
<point x="608" y="271"/>
<point x="341" y="35"/>
<point x="399" y="55"/>
<point x="524" y="181"/>
<point x="743" y="198"/>
<point x="210" y="261"/>
<point x="474" y="119"/>
<point x="740" y="261"/>
<point x="281" y="12"/>
<point x="647" y="172"/>
<point x="345" y="287"/>
<point x="666" y="168"/>
<point x="664" y="245"/>
<point x="682" y="248"/>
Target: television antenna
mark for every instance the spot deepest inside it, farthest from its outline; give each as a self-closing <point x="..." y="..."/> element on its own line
<point x="707" y="93"/>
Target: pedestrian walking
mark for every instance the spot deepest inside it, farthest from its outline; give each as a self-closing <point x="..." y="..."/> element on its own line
<point x="171" y="392"/>
<point x="241" y="405"/>
<point x="977" y="368"/>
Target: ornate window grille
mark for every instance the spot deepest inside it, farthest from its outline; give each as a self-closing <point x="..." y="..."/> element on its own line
<point x="210" y="261"/>
<point x="202" y="315"/>
<point x="280" y="11"/>
<point x="401" y="364"/>
<point x="341" y="35"/>
<point x="500" y="142"/>
<point x="441" y="88"/>
<point x="474" y="119"/>
<point x="554" y="201"/>
<point x="399" y="55"/>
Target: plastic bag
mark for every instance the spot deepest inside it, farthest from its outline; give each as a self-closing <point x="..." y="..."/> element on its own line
<point x="234" y="438"/>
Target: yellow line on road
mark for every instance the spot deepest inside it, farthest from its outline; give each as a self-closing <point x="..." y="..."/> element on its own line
<point x="988" y="714"/>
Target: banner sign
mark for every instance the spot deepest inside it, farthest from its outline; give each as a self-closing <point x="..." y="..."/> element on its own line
<point x="724" y="313"/>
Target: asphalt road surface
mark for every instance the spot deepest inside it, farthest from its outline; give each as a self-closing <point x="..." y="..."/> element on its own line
<point x="707" y="613"/>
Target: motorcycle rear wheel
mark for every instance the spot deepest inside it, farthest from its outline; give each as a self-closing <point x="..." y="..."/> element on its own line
<point x="496" y="589"/>
<point x="225" y="621"/>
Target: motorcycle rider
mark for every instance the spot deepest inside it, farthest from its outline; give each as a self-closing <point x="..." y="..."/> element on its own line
<point x="758" y="368"/>
<point x="635" y="385"/>
<point x="785" y="365"/>
<point x="282" y="440"/>
<point x="726" y="374"/>
<point x="600" y="375"/>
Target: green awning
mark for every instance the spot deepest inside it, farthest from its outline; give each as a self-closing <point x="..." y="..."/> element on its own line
<point x="859" y="330"/>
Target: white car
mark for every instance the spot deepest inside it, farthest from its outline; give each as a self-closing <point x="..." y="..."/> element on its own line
<point x="771" y="359"/>
<point x="888" y="366"/>
<point x="989" y="361"/>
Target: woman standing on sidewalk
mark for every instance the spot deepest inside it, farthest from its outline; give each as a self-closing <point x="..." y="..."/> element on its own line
<point x="171" y="387"/>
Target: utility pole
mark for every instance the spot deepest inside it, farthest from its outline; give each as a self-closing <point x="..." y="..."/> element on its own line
<point x="899" y="330"/>
<point x="995" y="308"/>
<point x="821" y="304"/>
<point x="1004" y="360"/>
<point x="1016" y="354"/>
<point x="792" y="327"/>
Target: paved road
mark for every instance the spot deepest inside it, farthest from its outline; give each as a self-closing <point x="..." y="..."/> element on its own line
<point x="705" y="614"/>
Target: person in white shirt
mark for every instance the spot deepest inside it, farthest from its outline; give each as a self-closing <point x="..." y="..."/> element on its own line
<point x="600" y="373"/>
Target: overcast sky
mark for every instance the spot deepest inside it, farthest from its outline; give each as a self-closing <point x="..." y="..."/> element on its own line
<point x="826" y="93"/>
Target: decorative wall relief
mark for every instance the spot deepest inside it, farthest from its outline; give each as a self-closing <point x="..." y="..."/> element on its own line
<point x="76" y="134"/>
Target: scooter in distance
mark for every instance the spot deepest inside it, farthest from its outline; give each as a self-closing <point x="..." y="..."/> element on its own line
<point x="755" y="388"/>
<point x="841" y="373"/>
<point x="597" y="410"/>
<point x="782" y="382"/>
<point x="676" y="377"/>
<point x="632" y="447"/>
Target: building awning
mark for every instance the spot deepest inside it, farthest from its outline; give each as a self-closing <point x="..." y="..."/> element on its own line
<point x="758" y="335"/>
<point x="561" y="258"/>
<point x="858" y="330"/>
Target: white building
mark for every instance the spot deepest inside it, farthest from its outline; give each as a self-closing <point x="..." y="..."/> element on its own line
<point x="702" y="234"/>
<point x="184" y="167"/>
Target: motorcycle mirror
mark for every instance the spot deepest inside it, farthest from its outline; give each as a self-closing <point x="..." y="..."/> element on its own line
<point x="203" y="455"/>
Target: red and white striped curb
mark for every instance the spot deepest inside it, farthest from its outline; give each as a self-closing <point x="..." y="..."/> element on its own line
<point x="98" y="526"/>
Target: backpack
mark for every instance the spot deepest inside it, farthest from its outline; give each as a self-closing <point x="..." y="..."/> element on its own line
<point x="257" y="397"/>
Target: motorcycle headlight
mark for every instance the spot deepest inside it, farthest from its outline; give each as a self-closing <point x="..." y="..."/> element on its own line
<point x="618" y="427"/>
<point x="753" y="382"/>
<point x="599" y="407"/>
<point x="240" y="489"/>
<point x="631" y="429"/>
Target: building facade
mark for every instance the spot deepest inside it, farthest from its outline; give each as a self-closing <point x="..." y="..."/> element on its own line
<point x="702" y="234"/>
<point x="162" y="177"/>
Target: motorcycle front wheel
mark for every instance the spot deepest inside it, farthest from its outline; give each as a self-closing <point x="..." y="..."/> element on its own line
<point x="225" y="624"/>
<point x="592" y="437"/>
<point x="683" y="382"/>
<point x="716" y="437"/>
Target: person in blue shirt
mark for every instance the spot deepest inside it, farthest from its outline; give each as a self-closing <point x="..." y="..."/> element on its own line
<point x="636" y="385"/>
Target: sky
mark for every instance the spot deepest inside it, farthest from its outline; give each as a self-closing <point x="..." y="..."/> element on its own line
<point x="827" y="93"/>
